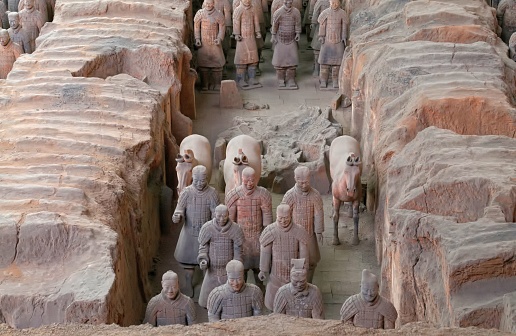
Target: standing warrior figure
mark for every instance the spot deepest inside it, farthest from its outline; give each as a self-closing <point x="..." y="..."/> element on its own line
<point x="333" y="33"/>
<point x="307" y="211"/>
<point x="368" y="309"/>
<point x="246" y="29"/>
<point x="286" y="31"/>
<point x="196" y="204"/>
<point x="220" y="241"/>
<point x="40" y="5"/>
<point x="506" y="14"/>
<point x="250" y="206"/>
<point x="18" y="34"/>
<point x="32" y="21"/>
<point x="299" y="298"/>
<point x="9" y="52"/>
<point x="319" y="7"/>
<point x="280" y="242"/>
<point x="209" y="30"/>
<point x="170" y="306"/>
<point x="235" y="299"/>
<point x="224" y="7"/>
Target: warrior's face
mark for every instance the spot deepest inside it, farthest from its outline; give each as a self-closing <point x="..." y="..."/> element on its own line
<point x="302" y="182"/>
<point x="283" y="216"/>
<point x="209" y="4"/>
<point x="369" y="290"/>
<point x="199" y="181"/>
<point x="334" y="4"/>
<point x="236" y="281"/>
<point x="4" y="37"/>
<point x="287" y="3"/>
<point x="246" y="3"/>
<point x="221" y="215"/>
<point x="14" y="20"/>
<point x="248" y="180"/>
<point x="170" y="288"/>
<point x="29" y="4"/>
<point x="298" y="281"/>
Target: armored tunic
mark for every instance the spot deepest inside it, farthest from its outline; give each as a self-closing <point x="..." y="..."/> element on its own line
<point x="506" y="13"/>
<point x="364" y="314"/>
<point x="307" y="211"/>
<point x="333" y="26"/>
<point x="246" y="24"/>
<point x="224" y="7"/>
<point x="162" y="311"/>
<point x="308" y="303"/>
<point x="320" y="6"/>
<point x="8" y="54"/>
<point x="208" y="26"/>
<point x="224" y="303"/>
<point x="20" y="37"/>
<point x="197" y="208"/>
<point x="252" y="211"/>
<point x="277" y="4"/>
<point x="32" y="22"/>
<point x="218" y="245"/>
<point x="261" y="7"/>
<point x="278" y="247"/>
<point x="286" y="24"/>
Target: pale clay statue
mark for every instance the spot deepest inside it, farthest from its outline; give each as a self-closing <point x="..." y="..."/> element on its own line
<point x="346" y="172"/>
<point x="40" y="5"/>
<point x="506" y="14"/>
<point x="286" y="32"/>
<point x="235" y="298"/>
<point x="307" y="211"/>
<point x="9" y="52"/>
<point x="512" y="47"/>
<point x="333" y="33"/>
<point x="319" y="7"/>
<point x="220" y="241"/>
<point x="368" y="309"/>
<point x="170" y="306"/>
<point x="242" y="151"/>
<point x="32" y="21"/>
<point x="196" y="206"/>
<point x="250" y="206"/>
<point x="209" y="31"/>
<point x="280" y="242"/>
<point x="18" y="34"/>
<point x="196" y="150"/>
<point x="299" y="298"/>
<point x="246" y="29"/>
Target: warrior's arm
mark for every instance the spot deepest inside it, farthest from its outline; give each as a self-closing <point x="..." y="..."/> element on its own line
<point x="222" y="30"/>
<point x="298" y="22"/>
<point x="151" y="312"/>
<point x="303" y="252"/>
<point x="318" y="307"/>
<point x="236" y="21"/>
<point x="256" y="22"/>
<point x="215" y="305"/>
<point x="257" y="302"/>
<point x="318" y="215"/>
<point x="191" y="315"/>
<point x="266" y="206"/>
<point x="265" y="258"/>
<point x="280" y="302"/>
<point x="344" y="35"/>
<point x="197" y="26"/>
<point x="227" y="13"/>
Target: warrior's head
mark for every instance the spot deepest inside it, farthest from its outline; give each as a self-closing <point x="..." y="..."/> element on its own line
<point x="235" y="271"/>
<point x="170" y="285"/>
<point x="298" y="275"/>
<point x="369" y="286"/>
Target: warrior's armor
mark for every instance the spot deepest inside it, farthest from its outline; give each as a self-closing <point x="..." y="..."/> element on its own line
<point x="197" y="207"/>
<point x="278" y="246"/>
<point x="40" y="5"/>
<point x="252" y="211"/>
<point x="32" y="22"/>
<point x="208" y="26"/>
<point x="218" y="245"/>
<point x="506" y="14"/>
<point x="320" y="6"/>
<point x="277" y="4"/>
<point x="224" y="303"/>
<point x="8" y="54"/>
<point x="286" y="24"/>
<point x="246" y="24"/>
<point x="307" y="303"/>
<point x="363" y="314"/>
<point x="20" y="37"/>
<point x="162" y="311"/>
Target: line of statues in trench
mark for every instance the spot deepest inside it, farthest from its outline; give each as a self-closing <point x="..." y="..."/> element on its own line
<point x="21" y="23"/>
<point x="228" y="240"/>
<point x="246" y="21"/>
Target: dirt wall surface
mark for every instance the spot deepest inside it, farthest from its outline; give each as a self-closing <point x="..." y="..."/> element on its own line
<point x="83" y="129"/>
<point x="446" y="198"/>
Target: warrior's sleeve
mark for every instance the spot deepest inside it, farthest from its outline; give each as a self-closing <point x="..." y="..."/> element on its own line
<point x="222" y="24"/>
<point x="266" y="206"/>
<point x="323" y="19"/>
<point x="238" y="242"/>
<point x="265" y="6"/>
<point x="289" y="199"/>
<point x="280" y="301"/>
<point x="311" y="6"/>
<point x="297" y="15"/>
<point x="386" y="308"/>
<point x="227" y="13"/>
<point x="204" y="243"/>
<point x="256" y="22"/>
<point x="231" y="201"/>
<point x="344" y="35"/>
<point x="275" y="22"/>
<point x="151" y="311"/>
<point x="18" y="50"/>
<point x="182" y="202"/>
<point x="237" y="17"/>
<point x="214" y="201"/>
<point x="316" y="13"/>
<point x="197" y="24"/>
<point x="266" y="239"/>
<point x="191" y="315"/>
<point x="348" y="310"/>
<point x="274" y="8"/>
<point x="215" y="304"/>
<point x="318" y="212"/>
<point x="318" y="306"/>
<point x="257" y="301"/>
<point x="303" y="252"/>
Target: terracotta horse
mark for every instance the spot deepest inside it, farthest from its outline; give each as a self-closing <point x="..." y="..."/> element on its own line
<point x="242" y="151"/>
<point x="345" y="171"/>
<point x="196" y="150"/>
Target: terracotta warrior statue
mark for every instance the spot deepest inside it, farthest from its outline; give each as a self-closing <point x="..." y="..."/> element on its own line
<point x="307" y="211"/>
<point x="333" y="33"/>
<point x="506" y="14"/>
<point x="235" y="298"/>
<point x="32" y="21"/>
<point x="246" y="29"/>
<point x="209" y="30"/>
<point x="9" y="52"/>
<point x="368" y="309"/>
<point x="280" y="242"/>
<point x="40" y="5"/>
<point x="220" y="241"/>
<point x="18" y="34"/>
<point x="4" y="21"/>
<point x="286" y="31"/>
<point x="299" y="298"/>
<point x="196" y="205"/>
<point x="251" y="207"/>
<point x="170" y="306"/>
<point x="319" y="7"/>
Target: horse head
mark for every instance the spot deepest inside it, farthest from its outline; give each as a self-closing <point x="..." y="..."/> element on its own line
<point x="239" y="163"/>
<point x="185" y="164"/>
<point x="352" y="175"/>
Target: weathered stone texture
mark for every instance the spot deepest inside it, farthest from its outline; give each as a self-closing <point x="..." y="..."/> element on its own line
<point x="445" y="213"/>
<point x="85" y="135"/>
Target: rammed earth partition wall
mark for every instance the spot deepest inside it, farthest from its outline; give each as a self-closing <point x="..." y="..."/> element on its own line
<point x="88" y="130"/>
<point x="433" y="105"/>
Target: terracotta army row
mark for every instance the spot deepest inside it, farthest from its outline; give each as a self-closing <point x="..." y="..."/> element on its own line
<point x="248" y="28"/>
